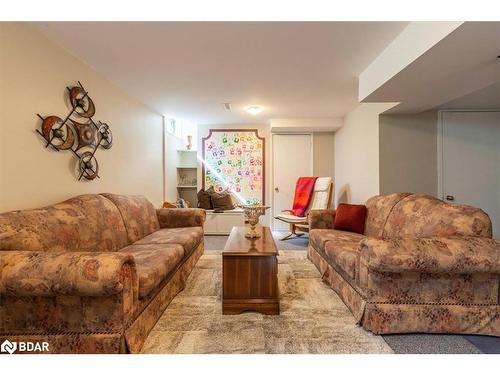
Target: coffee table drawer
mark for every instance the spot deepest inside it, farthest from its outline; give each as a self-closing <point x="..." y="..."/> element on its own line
<point x="250" y="277"/>
<point x="250" y="273"/>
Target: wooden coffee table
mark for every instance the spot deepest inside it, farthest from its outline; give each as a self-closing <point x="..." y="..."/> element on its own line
<point x="250" y="273"/>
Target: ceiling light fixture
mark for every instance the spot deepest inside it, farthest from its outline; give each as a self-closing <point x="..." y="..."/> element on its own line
<point x="254" y="109"/>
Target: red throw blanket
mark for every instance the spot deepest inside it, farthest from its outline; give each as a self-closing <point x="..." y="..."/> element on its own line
<point x="303" y="194"/>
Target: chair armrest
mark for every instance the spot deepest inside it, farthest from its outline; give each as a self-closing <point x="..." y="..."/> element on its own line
<point x="321" y="219"/>
<point x="455" y="255"/>
<point x="181" y="217"/>
<point x="286" y="211"/>
<point x="33" y="273"/>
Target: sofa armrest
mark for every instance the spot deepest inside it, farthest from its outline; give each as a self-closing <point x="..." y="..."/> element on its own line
<point x="457" y="255"/>
<point x="33" y="273"/>
<point x="181" y="217"/>
<point x="321" y="219"/>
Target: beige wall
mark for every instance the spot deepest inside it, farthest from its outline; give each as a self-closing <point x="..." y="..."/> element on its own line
<point x="324" y="154"/>
<point x="34" y="74"/>
<point x="172" y="144"/>
<point x="304" y="124"/>
<point x="357" y="154"/>
<point x="408" y="153"/>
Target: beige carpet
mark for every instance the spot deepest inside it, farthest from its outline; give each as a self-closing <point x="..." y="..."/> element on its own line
<point x="313" y="319"/>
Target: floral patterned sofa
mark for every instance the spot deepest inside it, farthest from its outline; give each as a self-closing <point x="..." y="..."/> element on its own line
<point x="93" y="274"/>
<point x="422" y="265"/>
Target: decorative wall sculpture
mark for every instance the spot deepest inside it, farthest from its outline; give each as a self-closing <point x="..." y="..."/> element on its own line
<point x="78" y="132"/>
<point x="234" y="159"/>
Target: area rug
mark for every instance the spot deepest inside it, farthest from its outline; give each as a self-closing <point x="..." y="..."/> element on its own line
<point x="313" y="319"/>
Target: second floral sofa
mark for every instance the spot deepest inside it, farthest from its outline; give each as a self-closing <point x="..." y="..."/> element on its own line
<point x="93" y="274"/>
<point x="421" y="265"/>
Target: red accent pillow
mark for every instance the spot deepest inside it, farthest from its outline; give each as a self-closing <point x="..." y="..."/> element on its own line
<point x="350" y="217"/>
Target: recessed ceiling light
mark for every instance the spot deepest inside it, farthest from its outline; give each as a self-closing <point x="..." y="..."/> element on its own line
<point x="254" y="109"/>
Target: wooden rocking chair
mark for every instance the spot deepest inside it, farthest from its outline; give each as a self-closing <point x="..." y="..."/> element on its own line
<point x="321" y="199"/>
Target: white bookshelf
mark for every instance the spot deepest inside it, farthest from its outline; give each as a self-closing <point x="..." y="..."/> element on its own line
<point x="187" y="173"/>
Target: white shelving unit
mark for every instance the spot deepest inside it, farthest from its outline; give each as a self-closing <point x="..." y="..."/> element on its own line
<point x="187" y="172"/>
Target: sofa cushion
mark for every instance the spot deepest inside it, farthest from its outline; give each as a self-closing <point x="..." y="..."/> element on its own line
<point x="350" y="217"/>
<point x="343" y="254"/>
<point x="421" y="215"/>
<point x="319" y="237"/>
<point x="181" y="217"/>
<point x="154" y="263"/>
<point x="138" y="214"/>
<point x="321" y="219"/>
<point x="378" y="209"/>
<point x="189" y="238"/>
<point x="83" y="223"/>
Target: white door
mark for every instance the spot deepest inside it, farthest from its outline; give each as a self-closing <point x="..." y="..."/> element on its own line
<point x="471" y="161"/>
<point x="292" y="158"/>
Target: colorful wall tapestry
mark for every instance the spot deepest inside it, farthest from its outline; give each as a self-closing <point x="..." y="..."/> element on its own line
<point x="234" y="159"/>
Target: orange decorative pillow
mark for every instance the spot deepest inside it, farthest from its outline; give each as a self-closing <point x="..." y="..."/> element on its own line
<point x="350" y="217"/>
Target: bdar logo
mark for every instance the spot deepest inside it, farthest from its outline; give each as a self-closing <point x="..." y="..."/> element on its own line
<point x="22" y="346"/>
<point x="9" y="347"/>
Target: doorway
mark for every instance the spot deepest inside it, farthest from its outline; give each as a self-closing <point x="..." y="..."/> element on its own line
<point x="292" y="158"/>
<point x="469" y="170"/>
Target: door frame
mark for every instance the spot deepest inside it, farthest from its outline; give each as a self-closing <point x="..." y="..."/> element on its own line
<point x="440" y="139"/>
<point x="311" y="165"/>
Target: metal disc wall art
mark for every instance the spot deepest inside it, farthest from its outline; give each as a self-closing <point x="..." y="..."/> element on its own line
<point x="78" y="132"/>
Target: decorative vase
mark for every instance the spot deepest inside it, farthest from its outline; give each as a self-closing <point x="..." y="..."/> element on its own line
<point x="190" y="140"/>
<point x="252" y="214"/>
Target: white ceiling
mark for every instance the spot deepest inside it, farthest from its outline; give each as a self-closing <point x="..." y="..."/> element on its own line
<point x="464" y="62"/>
<point x="485" y="98"/>
<point x="293" y="69"/>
